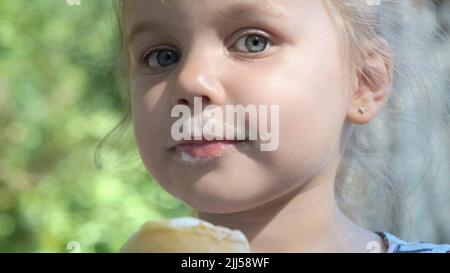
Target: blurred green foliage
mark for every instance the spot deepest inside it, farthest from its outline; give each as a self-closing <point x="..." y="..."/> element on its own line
<point x="58" y="98"/>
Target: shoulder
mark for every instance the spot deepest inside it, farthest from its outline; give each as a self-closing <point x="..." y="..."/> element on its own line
<point x="396" y="245"/>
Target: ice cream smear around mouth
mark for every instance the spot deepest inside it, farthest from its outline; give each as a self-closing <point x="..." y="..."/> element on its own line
<point x="203" y="138"/>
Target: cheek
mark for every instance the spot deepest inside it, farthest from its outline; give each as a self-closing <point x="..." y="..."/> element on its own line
<point x="143" y="108"/>
<point x="308" y="88"/>
<point x="149" y="129"/>
<point x="311" y="120"/>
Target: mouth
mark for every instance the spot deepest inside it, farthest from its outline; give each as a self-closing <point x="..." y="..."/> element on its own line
<point x="191" y="150"/>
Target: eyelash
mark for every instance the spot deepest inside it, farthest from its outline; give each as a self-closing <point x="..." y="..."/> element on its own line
<point x="269" y="43"/>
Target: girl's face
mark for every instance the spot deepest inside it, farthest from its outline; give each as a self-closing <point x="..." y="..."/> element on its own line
<point x="296" y="65"/>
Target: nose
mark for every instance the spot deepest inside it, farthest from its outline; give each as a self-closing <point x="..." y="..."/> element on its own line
<point x="197" y="78"/>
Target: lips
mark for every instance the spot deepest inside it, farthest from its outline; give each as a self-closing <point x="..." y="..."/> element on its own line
<point x="203" y="149"/>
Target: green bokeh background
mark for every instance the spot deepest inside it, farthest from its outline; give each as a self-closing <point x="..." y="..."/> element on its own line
<point x="58" y="99"/>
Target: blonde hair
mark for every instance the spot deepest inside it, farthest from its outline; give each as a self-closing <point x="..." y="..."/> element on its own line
<point x="400" y="150"/>
<point x="391" y="159"/>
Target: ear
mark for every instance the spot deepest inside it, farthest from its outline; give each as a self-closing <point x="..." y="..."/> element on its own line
<point x="373" y="82"/>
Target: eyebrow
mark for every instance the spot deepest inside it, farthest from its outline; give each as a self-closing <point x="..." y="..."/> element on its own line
<point x="245" y="11"/>
<point x="240" y="12"/>
<point x="147" y="26"/>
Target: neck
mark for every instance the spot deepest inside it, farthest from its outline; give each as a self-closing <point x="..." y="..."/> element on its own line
<point x="306" y="220"/>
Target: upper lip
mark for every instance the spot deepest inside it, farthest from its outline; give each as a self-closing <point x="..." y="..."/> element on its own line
<point x="173" y="143"/>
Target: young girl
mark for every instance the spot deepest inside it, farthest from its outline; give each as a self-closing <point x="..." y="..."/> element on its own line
<point x="329" y="68"/>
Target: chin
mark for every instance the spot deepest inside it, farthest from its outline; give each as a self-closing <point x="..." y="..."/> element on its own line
<point x="221" y="201"/>
<point x="217" y="203"/>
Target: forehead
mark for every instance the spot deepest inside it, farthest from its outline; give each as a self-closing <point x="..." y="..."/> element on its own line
<point x="172" y="11"/>
<point x="181" y="18"/>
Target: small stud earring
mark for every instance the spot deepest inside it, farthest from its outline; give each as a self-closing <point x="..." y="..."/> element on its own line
<point x="363" y="109"/>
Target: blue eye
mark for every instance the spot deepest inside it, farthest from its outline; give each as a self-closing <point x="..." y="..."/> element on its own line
<point x="161" y="58"/>
<point x="252" y="43"/>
